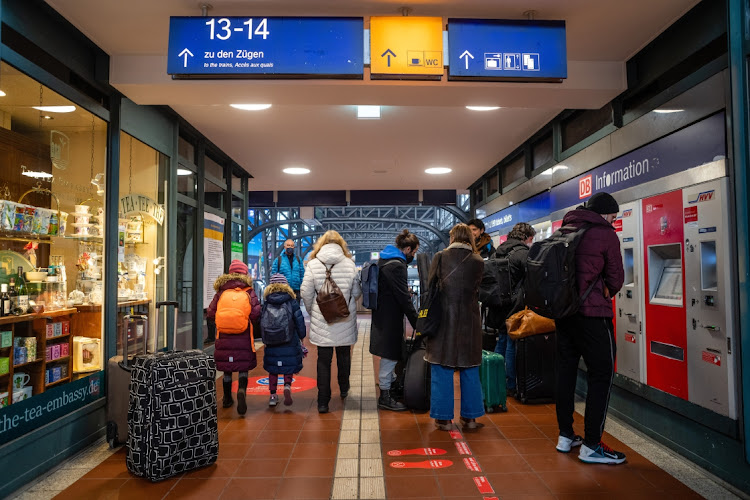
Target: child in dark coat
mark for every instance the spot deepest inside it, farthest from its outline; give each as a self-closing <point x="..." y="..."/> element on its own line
<point x="286" y="358"/>
<point x="235" y="352"/>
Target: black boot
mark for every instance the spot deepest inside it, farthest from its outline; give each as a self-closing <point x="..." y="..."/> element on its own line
<point x="386" y="402"/>
<point x="241" y="389"/>
<point x="227" y="402"/>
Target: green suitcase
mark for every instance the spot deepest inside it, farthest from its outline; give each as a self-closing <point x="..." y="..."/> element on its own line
<point x="492" y="377"/>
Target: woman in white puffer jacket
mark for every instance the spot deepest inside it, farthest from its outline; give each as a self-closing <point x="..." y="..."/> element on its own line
<point x="331" y="252"/>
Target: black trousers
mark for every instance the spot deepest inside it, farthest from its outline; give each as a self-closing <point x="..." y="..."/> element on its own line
<point x="344" y="365"/>
<point x="592" y="338"/>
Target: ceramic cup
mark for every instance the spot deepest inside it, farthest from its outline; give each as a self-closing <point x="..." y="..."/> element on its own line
<point x="20" y="379"/>
<point x="82" y="209"/>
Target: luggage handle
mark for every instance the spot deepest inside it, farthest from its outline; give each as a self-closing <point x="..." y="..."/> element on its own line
<point x="168" y="303"/>
<point x="125" y="319"/>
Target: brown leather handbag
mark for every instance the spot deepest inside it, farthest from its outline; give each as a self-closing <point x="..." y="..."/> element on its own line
<point x="526" y="323"/>
<point x="331" y="301"/>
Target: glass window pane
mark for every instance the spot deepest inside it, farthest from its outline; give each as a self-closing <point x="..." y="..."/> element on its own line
<point x="213" y="196"/>
<point x="213" y="168"/>
<point x="514" y="171"/>
<point x="184" y="265"/>
<point x="492" y="184"/>
<point x="186" y="181"/>
<point x="186" y="150"/>
<point x="542" y="151"/>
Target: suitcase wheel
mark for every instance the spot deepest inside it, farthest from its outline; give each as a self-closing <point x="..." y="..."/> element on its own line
<point x="112" y="434"/>
<point x="490" y="409"/>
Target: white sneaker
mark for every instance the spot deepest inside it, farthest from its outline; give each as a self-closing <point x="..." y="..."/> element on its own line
<point x="564" y="444"/>
<point x="273" y="400"/>
<point x="602" y="454"/>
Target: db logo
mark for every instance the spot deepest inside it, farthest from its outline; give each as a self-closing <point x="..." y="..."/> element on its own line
<point x="584" y="187"/>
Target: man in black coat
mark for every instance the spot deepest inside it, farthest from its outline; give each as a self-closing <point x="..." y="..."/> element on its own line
<point x="515" y="249"/>
<point x="394" y="301"/>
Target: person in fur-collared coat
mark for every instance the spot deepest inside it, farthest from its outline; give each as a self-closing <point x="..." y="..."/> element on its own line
<point x="235" y="352"/>
<point x="282" y="359"/>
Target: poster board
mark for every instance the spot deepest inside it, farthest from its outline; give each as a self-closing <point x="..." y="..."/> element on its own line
<point x="213" y="254"/>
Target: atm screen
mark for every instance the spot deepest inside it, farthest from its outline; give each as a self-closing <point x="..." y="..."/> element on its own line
<point x="670" y="285"/>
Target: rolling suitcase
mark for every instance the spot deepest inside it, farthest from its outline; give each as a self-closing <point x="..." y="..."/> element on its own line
<point x="535" y="368"/>
<point x="118" y="379"/>
<point x="492" y="378"/>
<point x="417" y="377"/>
<point x="172" y="415"/>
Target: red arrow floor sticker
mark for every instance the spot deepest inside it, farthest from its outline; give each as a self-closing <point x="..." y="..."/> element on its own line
<point x="463" y="448"/>
<point x="417" y="451"/>
<point x="427" y="464"/>
<point x="472" y="465"/>
<point x="483" y="485"/>
<point x="456" y="435"/>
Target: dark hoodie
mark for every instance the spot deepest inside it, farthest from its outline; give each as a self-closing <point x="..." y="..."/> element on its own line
<point x="597" y="259"/>
<point x="484" y="246"/>
<point x="284" y="359"/>
<point x="235" y="352"/>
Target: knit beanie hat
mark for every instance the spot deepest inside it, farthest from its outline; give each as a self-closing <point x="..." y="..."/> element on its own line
<point x="237" y="267"/>
<point x="603" y="203"/>
<point x="279" y="278"/>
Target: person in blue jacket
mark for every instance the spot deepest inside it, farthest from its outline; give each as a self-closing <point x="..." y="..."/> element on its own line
<point x="291" y="267"/>
<point x="283" y="359"/>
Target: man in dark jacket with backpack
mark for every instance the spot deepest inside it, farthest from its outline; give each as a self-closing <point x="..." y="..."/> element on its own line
<point x="515" y="249"/>
<point x="394" y="302"/>
<point x="589" y="332"/>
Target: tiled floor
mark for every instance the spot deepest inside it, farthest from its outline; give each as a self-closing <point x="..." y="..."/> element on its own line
<point x="294" y="452"/>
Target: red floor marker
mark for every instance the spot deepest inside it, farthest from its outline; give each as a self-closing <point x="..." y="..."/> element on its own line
<point x="427" y="464"/>
<point x="417" y="451"/>
<point x="483" y="485"/>
<point x="463" y="448"/>
<point x="456" y="435"/>
<point x="472" y="464"/>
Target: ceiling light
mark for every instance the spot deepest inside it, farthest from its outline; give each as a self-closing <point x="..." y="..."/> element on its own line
<point x="184" y="171"/>
<point x="296" y="170"/>
<point x="47" y="117"/>
<point x="665" y="111"/>
<point x="2" y="94"/>
<point x="554" y="169"/>
<point x="251" y="107"/>
<point x="483" y="108"/>
<point x="368" y="112"/>
<point x="55" y="109"/>
<point x="438" y="170"/>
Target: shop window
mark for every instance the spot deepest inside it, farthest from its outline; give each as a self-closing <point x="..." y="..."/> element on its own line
<point x="184" y="266"/>
<point x="514" y="170"/>
<point x="584" y="123"/>
<point x="186" y="181"/>
<point x="213" y="195"/>
<point x="141" y="257"/>
<point x="52" y="163"/>
<point x="493" y="184"/>
<point x="542" y="151"/>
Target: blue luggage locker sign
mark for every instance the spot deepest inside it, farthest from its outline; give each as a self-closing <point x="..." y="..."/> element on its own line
<point x="272" y="47"/>
<point x="507" y="50"/>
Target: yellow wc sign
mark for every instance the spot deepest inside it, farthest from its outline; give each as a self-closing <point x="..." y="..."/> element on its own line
<point x="406" y="46"/>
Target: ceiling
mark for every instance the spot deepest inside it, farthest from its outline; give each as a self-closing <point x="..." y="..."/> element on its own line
<point x="313" y="122"/>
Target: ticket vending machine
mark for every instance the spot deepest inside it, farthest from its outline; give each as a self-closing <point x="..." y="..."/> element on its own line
<point x="710" y="336"/>
<point x="629" y="300"/>
<point x="665" y="327"/>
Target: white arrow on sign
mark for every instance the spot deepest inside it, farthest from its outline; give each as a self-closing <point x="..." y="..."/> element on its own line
<point x="467" y="55"/>
<point x="185" y="52"/>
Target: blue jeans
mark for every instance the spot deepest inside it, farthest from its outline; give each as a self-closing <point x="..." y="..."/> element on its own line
<point x="507" y="347"/>
<point x="441" y="394"/>
<point x="386" y="376"/>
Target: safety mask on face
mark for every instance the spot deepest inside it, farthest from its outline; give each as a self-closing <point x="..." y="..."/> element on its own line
<point x="409" y="259"/>
<point x="289" y="251"/>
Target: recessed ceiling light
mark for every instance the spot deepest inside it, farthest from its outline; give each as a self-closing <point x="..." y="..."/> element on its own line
<point x="55" y="109"/>
<point x="184" y="171"/>
<point x="2" y="94"/>
<point x="368" y="112"/>
<point x="438" y="170"/>
<point x="251" y="107"/>
<point x="483" y="108"/>
<point x="296" y="170"/>
<point x="47" y="117"/>
<point x="665" y="111"/>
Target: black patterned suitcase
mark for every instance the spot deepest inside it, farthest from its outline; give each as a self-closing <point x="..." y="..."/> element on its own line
<point x="172" y="422"/>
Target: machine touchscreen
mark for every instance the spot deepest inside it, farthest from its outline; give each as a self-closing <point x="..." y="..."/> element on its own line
<point x="669" y="288"/>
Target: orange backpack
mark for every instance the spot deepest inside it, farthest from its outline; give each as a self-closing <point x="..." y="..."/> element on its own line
<point x="233" y="311"/>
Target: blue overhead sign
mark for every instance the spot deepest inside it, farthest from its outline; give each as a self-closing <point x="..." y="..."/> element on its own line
<point x="248" y="47"/>
<point x="507" y="50"/>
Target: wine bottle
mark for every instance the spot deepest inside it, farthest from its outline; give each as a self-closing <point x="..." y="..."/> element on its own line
<point x="13" y="295"/>
<point x="23" y="293"/>
<point x="4" y="300"/>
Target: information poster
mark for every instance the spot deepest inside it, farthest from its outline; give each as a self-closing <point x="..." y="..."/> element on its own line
<point x="213" y="254"/>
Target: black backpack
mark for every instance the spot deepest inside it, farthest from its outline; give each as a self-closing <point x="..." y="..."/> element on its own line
<point x="551" y="289"/>
<point x="497" y="288"/>
<point x="369" y="279"/>
<point x="276" y="323"/>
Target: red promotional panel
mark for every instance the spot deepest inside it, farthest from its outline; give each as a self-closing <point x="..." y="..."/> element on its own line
<point x="709" y="357"/>
<point x="617" y="225"/>
<point x="556" y="224"/>
<point x="666" y="329"/>
<point x="691" y="215"/>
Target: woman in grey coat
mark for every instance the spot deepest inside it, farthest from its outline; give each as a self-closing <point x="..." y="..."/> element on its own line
<point x="458" y="343"/>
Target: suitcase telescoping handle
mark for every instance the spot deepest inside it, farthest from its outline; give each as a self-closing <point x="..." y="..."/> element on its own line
<point x="168" y="303"/>
<point x="125" y="363"/>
